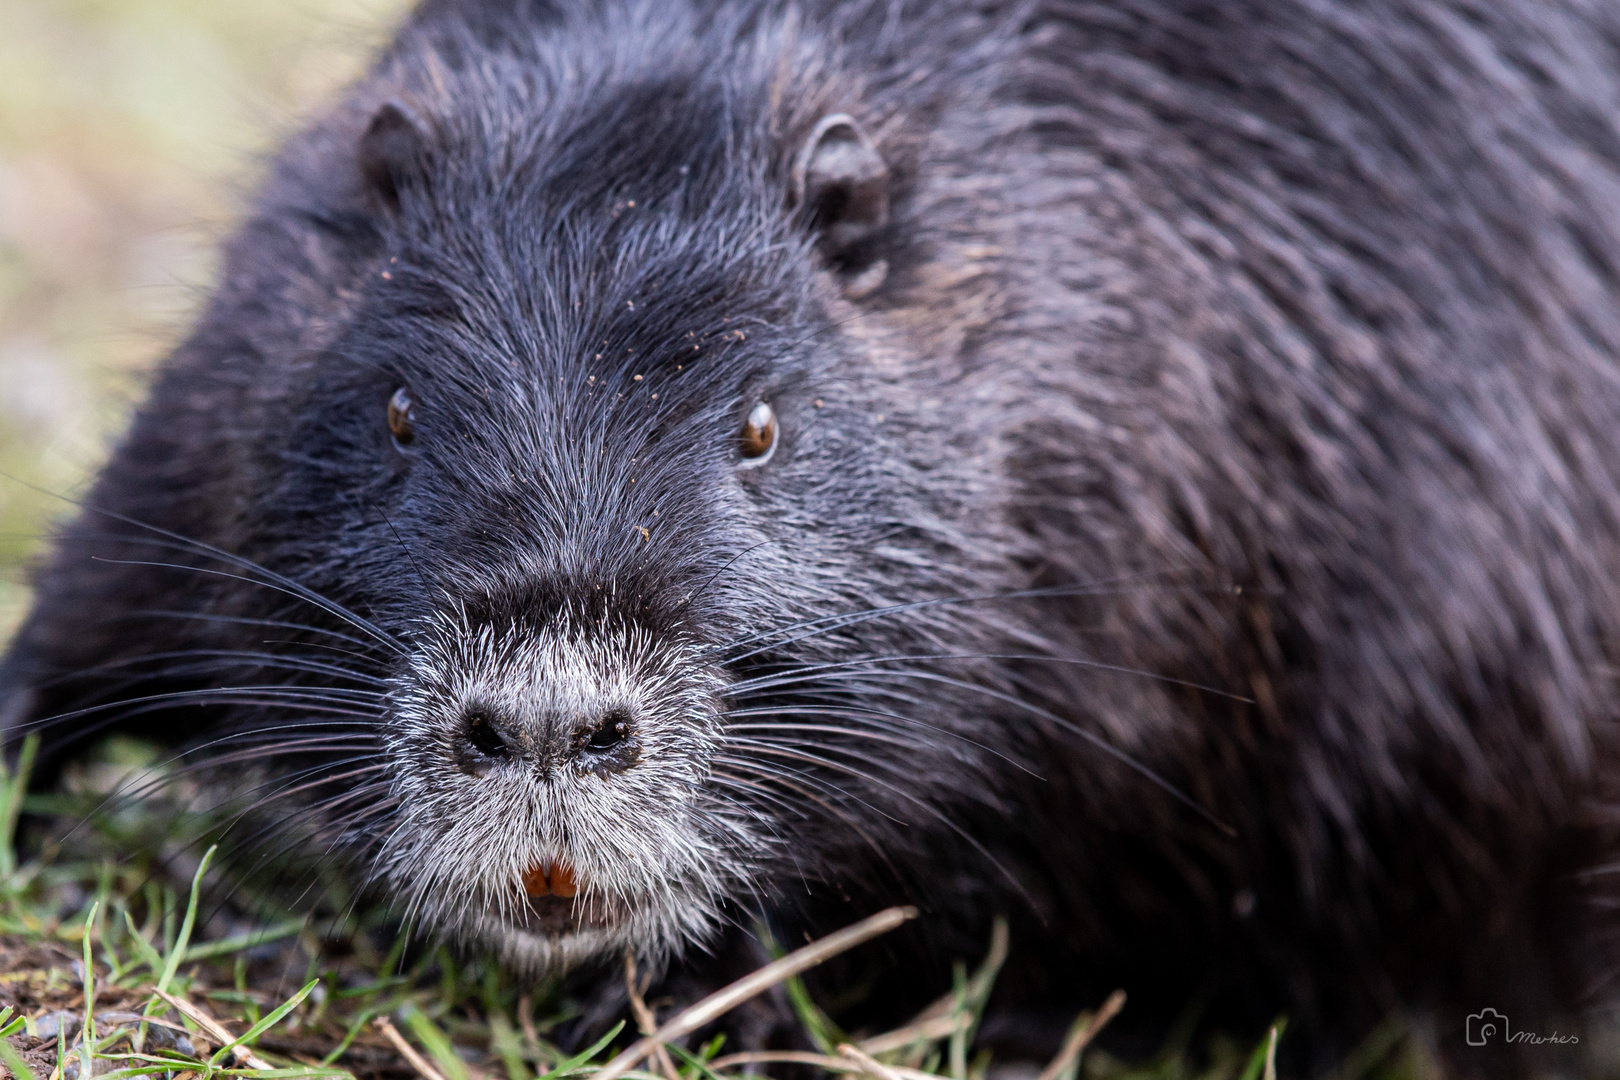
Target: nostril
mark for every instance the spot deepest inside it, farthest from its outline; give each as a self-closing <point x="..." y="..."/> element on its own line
<point x="613" y="730"/>
<point x="480" y="733"/>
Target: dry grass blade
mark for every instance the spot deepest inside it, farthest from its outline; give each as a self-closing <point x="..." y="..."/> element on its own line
<point x="214" y="1028"/>
<point x="646" y="1022"/>
<point x="406" y="1050"/>
<point x="525" y="1014"/>
<point x="1271" y="1056"/>
<point x="1078" y="1040"/>
<point x="938" y="1027"/>
<point x="868" y="1064"/>
<point x="723" y="1001"/>
<point x="944" y="1005"/>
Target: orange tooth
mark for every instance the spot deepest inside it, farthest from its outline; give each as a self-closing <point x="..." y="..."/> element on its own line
<point x="562" y="880"/>
<point x="534" y="881"/>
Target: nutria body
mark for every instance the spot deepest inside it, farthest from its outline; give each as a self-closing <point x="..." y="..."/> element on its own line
<point x="1183" y="514"/>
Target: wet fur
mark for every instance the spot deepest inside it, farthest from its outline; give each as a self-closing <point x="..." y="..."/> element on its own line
<point x="1275" y="341"/>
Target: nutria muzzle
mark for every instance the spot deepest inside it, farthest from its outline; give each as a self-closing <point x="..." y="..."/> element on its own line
<point x="553" y="780"/>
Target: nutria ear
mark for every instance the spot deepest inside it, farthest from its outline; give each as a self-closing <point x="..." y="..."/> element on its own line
<point x="393" y="153"/>
<point x="841" y="182"/>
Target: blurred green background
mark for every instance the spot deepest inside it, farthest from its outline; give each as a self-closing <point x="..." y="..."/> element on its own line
<point x="131" y="132"/>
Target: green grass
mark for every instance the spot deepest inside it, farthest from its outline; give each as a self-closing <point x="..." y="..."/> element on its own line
<point x="94" y="931"/>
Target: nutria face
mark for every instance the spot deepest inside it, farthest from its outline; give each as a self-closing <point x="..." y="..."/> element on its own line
<point x="552" y="725"/>
<point x="613" y="450"/>
<point x="573" y="432"/>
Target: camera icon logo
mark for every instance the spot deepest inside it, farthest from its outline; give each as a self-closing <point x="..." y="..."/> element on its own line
<point x="1485" y="1025"/>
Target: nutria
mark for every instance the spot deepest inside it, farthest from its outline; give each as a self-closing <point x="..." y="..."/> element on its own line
<point x="1141" y="468"/>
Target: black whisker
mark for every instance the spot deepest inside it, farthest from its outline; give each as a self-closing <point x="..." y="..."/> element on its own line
<point x="274" y="624"/>
<point x="1090" y="737"/>
<point x="828" y="623"/>
<point x="804" y="785"/>
<point x="248" y="658"/>
<point x="295" y="590"/>
<point x="810" y="671"/>
<point x="869" y="715"/>
<point x="415" y="568"/>
<point x="230" y="695"/>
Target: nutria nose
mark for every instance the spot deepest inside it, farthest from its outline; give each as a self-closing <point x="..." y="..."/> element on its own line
<point x="600" y="744"/>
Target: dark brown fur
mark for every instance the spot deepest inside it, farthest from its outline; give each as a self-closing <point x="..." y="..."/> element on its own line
<point x="1275" y="341"/>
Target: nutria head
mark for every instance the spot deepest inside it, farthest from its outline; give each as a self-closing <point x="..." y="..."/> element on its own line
<point x="590" y="443"/>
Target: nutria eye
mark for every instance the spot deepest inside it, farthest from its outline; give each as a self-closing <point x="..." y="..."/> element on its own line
<point x="758" y="440"/>
<point x="401" y="415"/>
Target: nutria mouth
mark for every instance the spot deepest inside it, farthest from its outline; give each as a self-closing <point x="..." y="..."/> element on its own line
<point x="550" y="879"/>
<point x="554" y="916"/>
<point x="552" y="905"/>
